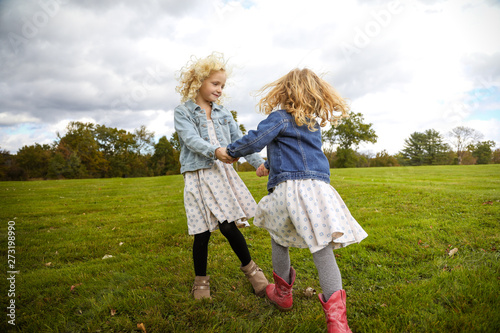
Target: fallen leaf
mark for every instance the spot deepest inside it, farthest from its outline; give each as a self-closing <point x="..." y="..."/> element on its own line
<point x="48" y="264"/>
<point x="121" y="243"/>
<point x="107" y="256"/>
<point x="383" y="305"/>
<point x="113" y="312"/>
<point x="488" y="203"/>
<point x="74" y="286"/>
<point x="309" y="292"/>
<point x="452" y="252"/>
<point x="141" y="327"/>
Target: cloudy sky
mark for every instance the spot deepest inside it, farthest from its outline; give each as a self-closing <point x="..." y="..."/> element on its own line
<point x="407" y="66"/>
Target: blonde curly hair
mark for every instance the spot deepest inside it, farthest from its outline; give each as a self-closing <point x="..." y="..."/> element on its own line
<point x="306" y="96"/>
<point x="196" y="71"/>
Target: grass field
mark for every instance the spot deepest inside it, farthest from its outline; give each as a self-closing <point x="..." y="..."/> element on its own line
<point x="402" y="278"/>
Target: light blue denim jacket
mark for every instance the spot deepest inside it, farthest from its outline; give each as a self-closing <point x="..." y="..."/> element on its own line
<point x="293" y="152"/>
<point x="196" y="150"/>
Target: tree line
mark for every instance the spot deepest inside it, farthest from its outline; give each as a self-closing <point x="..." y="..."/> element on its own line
<point x="90" y="150"/>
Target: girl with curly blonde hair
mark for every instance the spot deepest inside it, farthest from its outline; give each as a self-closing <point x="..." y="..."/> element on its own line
<point x="302" y="209"/>
<point x="215" y="197"/>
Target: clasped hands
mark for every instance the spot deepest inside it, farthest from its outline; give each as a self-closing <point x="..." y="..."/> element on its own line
<point x="222" y="155"/>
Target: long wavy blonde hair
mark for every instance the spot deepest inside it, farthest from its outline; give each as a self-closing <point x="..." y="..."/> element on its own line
<point x="306" y="96"/>
<point x="192" y="75"/>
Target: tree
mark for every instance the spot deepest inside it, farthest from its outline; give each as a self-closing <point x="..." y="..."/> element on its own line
<point x="5" y="163"/>
<point x="425" y="148"/>
<point x="35" y="160"/>
<point x="66" y="165"/>
<point x="242" y="127"/>
<point x="383" y="159"/>
<point x="461" y="137"/>
<point x="163" y="160"/>
<point x="174" y="141"/>
<point x="348" y="135"/>
<point x="80" y="140"/>
<point x="482" y="151"/>
<point x="144" y="140"/>
<point x="496" y="156"/>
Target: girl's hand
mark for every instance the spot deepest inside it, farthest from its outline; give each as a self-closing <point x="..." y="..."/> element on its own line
<point x="262" y="171"/>
<point x="222" y="155"/>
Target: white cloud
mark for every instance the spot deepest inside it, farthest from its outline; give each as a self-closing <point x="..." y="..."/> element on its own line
<point x="406" y="65"/>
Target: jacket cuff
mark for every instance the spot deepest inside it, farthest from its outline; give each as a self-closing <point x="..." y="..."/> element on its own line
<point x="211" y="152"/>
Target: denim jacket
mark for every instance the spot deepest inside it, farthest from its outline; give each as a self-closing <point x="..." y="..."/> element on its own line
<point x="196" y="150"/>
<point x="293" y="152"/>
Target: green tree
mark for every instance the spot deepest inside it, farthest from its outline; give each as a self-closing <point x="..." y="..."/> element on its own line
<point x="425" y="149"/>
<point x="348" y="135"/>
<point x="174" y="141"/>
<point x="383" y="159"/>
<point x="163" y="160"/>
<point x="35" y="160"/>
<point x="66" y="164"/>
<point x="496" y="156"/>
<point x="145" y="140"/>
<point x="80" y="140"/>
<point x="482" y="151"/>
<point x="242" y="127"/>
<point x="5" y="160"/>
<point x="126" y="153"/>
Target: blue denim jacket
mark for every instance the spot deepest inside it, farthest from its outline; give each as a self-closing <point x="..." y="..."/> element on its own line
<point x="293" y="152"/>
<point x="196" y="150"/>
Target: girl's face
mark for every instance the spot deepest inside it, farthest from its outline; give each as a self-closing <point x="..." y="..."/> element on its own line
<point x="211" y="88"/>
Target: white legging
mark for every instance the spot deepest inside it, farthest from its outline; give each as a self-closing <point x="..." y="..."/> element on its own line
<point x="330" y="279"/>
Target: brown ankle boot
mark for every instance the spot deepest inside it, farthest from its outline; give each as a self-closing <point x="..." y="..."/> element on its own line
<point x="256" y="277"/>
<point x="335" y="311"/>
<point x="201" y="287"/>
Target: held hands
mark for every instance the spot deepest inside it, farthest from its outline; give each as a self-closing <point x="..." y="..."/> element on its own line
<point x="222" y="155"/>
<point x="262" y="171"/>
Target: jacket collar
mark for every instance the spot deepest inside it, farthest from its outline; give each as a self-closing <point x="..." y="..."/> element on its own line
<point x="191" y="105"/>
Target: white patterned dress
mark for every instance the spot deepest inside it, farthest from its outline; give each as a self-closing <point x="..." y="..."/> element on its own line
<point x="308" y="213"/>
<point x="216" y="195"/>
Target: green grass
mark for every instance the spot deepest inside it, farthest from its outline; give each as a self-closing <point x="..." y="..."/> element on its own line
<point x="399" y="279"/>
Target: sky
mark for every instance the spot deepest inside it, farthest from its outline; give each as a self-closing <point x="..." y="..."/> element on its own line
<point x="406" y="66"/>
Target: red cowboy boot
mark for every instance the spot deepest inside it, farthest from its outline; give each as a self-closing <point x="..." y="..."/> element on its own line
<point x="280" y="293"/>
<point x="335" y="311"/>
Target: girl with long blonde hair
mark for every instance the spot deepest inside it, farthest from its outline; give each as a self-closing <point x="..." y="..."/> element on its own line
<point x="301" y="209"/>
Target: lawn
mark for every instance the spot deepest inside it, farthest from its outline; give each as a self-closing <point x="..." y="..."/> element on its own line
<point x="113" y="255"/>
